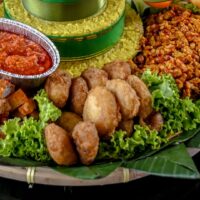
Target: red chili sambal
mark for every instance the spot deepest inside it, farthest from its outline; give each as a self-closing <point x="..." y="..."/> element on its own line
<point x="20" y="55"/>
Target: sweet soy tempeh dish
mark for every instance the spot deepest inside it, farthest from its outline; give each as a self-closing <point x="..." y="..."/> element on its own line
<point x="88" y="88"/>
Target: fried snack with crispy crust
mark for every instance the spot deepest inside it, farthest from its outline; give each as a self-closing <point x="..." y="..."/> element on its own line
<point x="126" y="97"/>
<point x="86" y="138"/>
<point x="59" y="145"/>
<point x="127" y="126"/>
<point x="68" y="121"/>
<point x="155" y="121"/>
<point x="144" y="94"/>
<point x="196" y="3"/>
<point x="102" y="109"/>
<point x="118" y="70"/>
<point x="57" y="87"/>
<point x="17" y="99"/>
<point x="95" y="77"/>
<point x="78" y="95"/>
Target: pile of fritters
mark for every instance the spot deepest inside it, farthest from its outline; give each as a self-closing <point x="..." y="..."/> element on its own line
<point x="94" y="106"/>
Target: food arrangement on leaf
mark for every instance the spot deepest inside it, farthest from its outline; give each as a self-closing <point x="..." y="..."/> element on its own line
<point x="118" y="109"/>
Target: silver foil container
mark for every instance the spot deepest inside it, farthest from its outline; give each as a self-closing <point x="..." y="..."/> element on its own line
<point x="30" y="81"/>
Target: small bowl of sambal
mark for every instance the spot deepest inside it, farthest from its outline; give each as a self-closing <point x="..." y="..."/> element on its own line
<point x="27" y="57"/>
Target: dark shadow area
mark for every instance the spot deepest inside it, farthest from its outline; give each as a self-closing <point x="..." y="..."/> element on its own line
<point x="151" y="188"/>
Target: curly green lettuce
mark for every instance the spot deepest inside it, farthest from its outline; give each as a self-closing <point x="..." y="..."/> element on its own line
<point x="47" y="110"/>
<point x="122" y="147"/>
<point x="195" y="9"/>
<point x="24" y="138"/>
<point x="179" y="115"/>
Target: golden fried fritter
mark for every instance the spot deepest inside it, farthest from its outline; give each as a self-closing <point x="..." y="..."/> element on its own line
<point x="59" y="145"/>
<point x="95" y="77"/>
<point x="57" y="87"/>
<point x="127" y="126"/>
<point x="86" y="138"/>
<point x="143" y="93"/>
<point x="101" y="108"/>
<point x="126" y="97"/>
<point x="196" y="3"/>
<point x="118" y="70"/>
<point x="156" y="121"/>
<point x="78" y="95"/>
<point x="68" y="121"/>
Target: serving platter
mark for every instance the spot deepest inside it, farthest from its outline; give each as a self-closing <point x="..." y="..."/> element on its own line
<point x="49" y="176"/>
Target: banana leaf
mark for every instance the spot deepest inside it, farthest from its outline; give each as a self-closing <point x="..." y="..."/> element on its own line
<point x="171" y="162"/>
<point x="179" y="139"/>
<point x="21" y="162"/>
<point x="194" y="142"/>
<point x="140" y="7"/>
<point x="100" y="170"/>
<point x="89" y="172"/>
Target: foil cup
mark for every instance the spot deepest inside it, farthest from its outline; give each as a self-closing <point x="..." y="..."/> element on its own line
<point x="30" y="81"/>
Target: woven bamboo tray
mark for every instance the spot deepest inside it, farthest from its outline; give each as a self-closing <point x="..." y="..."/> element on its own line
<point x="47" y="176"/>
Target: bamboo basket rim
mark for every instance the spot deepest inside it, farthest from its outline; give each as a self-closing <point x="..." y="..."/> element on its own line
<point x="48" y="176"/>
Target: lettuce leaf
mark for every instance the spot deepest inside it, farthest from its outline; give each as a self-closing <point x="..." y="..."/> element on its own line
<point x="122" y="147"/>
<point x="193" y="8"/>
<point x="179" y="115"/>
<point x="47" y="110"/>
<point x="188" y="5"/>
<point x="24" y="138"/>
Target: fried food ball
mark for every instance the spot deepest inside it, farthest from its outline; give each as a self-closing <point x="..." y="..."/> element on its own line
<point x="86" y="138"/>
<point x="78" y="95"/>
<point x="102" y="109"/>
<point x="59" y="145"/>
<point x="144" y="94"/>
<point x="118" y="70"/>
<point x="68" y="121"/>
<point x="127" y="126"/>
<point x="95" y="77"/>
<point x="57" y="87"/>
<point x="156" y="121"/>
<point x="126" y="97"/>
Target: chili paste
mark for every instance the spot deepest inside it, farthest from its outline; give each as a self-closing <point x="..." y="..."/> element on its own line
<point x="19" y="55"/>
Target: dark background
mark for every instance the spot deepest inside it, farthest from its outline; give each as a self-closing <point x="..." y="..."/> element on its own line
<point x="149" y="188"/>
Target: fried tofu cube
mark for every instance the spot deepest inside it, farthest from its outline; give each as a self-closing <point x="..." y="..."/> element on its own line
<point x="27" y="108"/>
<point x="6" y="88"/>
<point x="17" y="99"/>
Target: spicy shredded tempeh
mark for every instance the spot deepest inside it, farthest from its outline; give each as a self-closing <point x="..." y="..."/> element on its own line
<point x="171" y="44"/>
